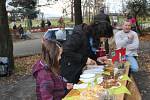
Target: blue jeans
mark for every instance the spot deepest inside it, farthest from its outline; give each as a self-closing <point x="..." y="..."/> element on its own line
<point x="134" y="64"/>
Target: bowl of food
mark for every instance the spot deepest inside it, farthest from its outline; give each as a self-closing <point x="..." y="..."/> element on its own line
<point x="89" y="94"/>
<point x="110" y="83"/>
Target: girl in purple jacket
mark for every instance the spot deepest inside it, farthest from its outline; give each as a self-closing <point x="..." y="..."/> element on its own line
<point x="49" y="84"/>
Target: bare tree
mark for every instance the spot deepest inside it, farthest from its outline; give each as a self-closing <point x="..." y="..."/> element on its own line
<point x="84" y="9"/>
<point x="72" y="6"/>
<point x="78" y="12"/>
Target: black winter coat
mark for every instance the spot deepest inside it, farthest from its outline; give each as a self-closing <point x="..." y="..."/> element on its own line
<point x="101" y="17"/>
<point x="75" y="53"/>
<point x="103" y="26"/>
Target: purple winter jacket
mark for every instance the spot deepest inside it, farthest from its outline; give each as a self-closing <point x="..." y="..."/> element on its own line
<point x="48" y="86"/>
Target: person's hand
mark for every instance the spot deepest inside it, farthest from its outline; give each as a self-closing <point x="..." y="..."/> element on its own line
<point x="91" y="62"/>
<point x="102" y="60"/>
<point x="69" y="86"/>
<point x="103" y="39"/>
<point x="130" y="36"/>
<point x="108" y="62"/>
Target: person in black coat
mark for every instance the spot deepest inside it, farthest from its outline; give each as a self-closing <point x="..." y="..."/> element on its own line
<point x="21" y="32"/>
<point x="102" y="17"/>
<point x="48" y="23"/>
<point x="103" y="27"/>
<point x="43" y="24"/>
<point x="78" y="51"/>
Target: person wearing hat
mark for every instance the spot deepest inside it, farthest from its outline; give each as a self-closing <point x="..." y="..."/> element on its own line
<point x="102" y="16"/>
<point x="103" y="27"/>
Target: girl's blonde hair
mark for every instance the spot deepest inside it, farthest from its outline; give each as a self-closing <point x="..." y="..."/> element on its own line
<point x="50" y="54"/>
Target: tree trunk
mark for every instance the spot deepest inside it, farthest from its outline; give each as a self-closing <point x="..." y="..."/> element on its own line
<point x="89" y="14"/>
<point x="72" y="10"/>
<point x="6" y="46"/>
<point x="78" y="12"/>
<point x="84" y="6"/>
<point x="86" y="11"/>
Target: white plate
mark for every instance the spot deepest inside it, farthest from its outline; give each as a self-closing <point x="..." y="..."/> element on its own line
<point x="87" y="80"/>
<point x="85" y="76"/>
<point x="93" y="71"/>
<point x="80" y="86"/>
<point x="95" y="66"/>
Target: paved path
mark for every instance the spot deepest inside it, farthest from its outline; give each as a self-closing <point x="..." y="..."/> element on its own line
<point x="22" y="90"/>
<point x="28" y="47"/>
<point x="142" y="77"/>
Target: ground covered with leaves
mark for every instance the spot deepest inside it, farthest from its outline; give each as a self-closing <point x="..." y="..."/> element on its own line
<point x="23" y="67"/>
<point x="142" y="77"/>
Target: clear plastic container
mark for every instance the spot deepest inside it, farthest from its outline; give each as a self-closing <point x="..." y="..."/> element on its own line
<point x="89" y="95"/>
<point x="106" y="96"/>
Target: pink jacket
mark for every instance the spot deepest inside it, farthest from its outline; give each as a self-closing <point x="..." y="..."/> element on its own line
<point x="48" y="86"/>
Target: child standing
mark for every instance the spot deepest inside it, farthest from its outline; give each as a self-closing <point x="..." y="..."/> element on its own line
<point x="49" y="84"/>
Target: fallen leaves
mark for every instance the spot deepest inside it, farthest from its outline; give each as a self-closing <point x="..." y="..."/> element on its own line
<point x="23" y="67"/>
<point x="144" y="61"/>
<point x="145" y="37"/>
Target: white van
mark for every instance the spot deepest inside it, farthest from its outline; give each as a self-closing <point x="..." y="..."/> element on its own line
<point x="59" y="34"/>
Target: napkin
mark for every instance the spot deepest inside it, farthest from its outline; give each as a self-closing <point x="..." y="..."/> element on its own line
<point x="125" y="77"/>
<point x="119" y="90"/>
